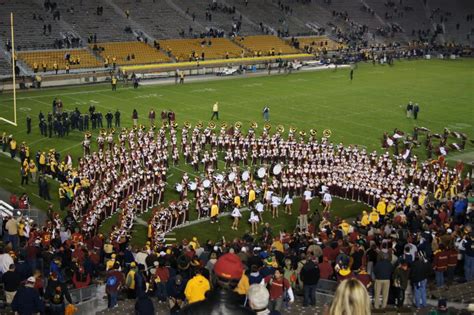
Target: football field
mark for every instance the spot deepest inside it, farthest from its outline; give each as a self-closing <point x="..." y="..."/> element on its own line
<point x="357" y="112"/>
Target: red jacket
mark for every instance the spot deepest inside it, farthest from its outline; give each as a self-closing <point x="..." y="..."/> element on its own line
<point x="452" y="257"/>
<point x="277" y="286"/>
<point x="440" y="260"/>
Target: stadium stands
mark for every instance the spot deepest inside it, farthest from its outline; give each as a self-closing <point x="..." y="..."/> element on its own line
<point x="160" y="18"/>
<point x="266" y="45"/>
<point x="213" y="48"/>
<point x="29" y="20"/>
<point x="108" y="26"/>
<point x="317" y="43"/>
<point x="130" y="53"/>
<point x="86" y="59"/>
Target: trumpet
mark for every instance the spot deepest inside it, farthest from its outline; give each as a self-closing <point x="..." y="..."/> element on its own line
<point x="267" y="126"/>
<point x="327" y="133"/>
<point x="187" y="124"/>
<point x="254" y="125"/>
<point x="238" y="125"/>
<point x="280" y="128"/>
<point x="313" y="132"/>
<point x="211" y="125"/>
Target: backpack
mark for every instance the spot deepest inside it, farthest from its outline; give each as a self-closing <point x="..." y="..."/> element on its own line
<point x="111" y="281"/>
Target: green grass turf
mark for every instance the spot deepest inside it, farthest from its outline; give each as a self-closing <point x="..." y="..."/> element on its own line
<point x="357" y="112"/>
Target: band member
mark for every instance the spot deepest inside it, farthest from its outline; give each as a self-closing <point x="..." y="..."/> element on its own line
<point x="254" y="222"/>
<point x="236" y="215"/>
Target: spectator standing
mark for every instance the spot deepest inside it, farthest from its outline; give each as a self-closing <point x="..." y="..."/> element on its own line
<point x="400" y="282"/>
<point x="12" y="230"/>
<point x="135" y="118"/>
<point x="440" y="264"/>
<point x="11" y="281"/>
<point x="27" y="299"/>
<point x="56" y="293"/>
<point x="196" y="288"/>
<point x="383" y="274"/>
<point x="310" y="277"/>
<point x="278" y="287"/>
<point x="418" y="278"/>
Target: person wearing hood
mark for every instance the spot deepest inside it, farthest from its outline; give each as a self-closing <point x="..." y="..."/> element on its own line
<point x="228" y="270"/>
<point x="56" y="293"/>
<point x="197" y="287"/>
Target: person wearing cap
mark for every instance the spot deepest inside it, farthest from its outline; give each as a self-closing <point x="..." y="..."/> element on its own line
<point x="27" y="299"/>
<point x="228" y="270"/>
<point x="130" y="281"/>
<point x="113" y="283"/>
<point x="197" y="287"/>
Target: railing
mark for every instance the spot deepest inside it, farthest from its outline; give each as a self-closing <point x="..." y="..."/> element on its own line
<point x="83" y="294"/>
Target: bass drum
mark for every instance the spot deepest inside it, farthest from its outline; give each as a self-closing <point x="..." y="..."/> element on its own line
<point x="232" y="176"/>
<point x="206" y="183"/>
<point x="277" y="169"/>
<point x="192" y="186"/>
<point x="219" y="178"/>
<point x="261" y="172"/>
<point x="245" y="176"/>
<point x="179" y="187"/>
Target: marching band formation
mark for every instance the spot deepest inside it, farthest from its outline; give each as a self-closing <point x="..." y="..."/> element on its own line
<point x="262" y="172"/>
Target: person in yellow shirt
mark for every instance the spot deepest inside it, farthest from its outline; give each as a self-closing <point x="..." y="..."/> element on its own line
<point x="251" y="196"/>
<point x="364" y="221"/>
<point x="345" y="227"/>
<point x="391" y="206"/>
<point x="382" y="207"/>
<point x="215" y="111"/>
<point x="13" y="148"/>
<point x="42" y="162"/>
<point x="243" y="285"/>
<point x="374" y="216"/>
<point x="194" y="243"/>
<point x="196" y="288"/>
<point x="114" y="83"/>
<point x="130" y="281"/>
<point x="67" y="67"/>
<point x="422" y="198"/>
<point x="110" y="263"/>
<point x="55" y="67"/>
<point x="278" y="245"/>
<point x="33" y="170"/>
<point x="237" y="201"/>
<point x="214" y="212"/>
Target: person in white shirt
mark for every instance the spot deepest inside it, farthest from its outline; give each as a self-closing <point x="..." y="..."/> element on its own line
<point x="260" y="207"/>
<point x="288" y="201"/>
<point x="276" y="201"/>
<point x="254" y="222"/>
<point x="327" y="199"/>
<point x="236" y="215"/>
<point x="268" y="199"/>
<point x="5" y="261"/>
<point x="307" y="195"/>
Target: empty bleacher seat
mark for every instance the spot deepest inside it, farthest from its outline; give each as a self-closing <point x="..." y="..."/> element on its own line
<point x="265" y="45"/>
<point x="129" y="53"/>
<point x="213" y="48"/>
<point x="84" y="57"/>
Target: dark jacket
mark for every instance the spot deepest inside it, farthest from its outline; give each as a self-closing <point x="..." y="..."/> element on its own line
<point x="419" y="271"/>
<point x="11" y="280"/>
<point x="144" y="306"/>
<point x="310" y="273"/>
<point x="56" y="292"/>
<point x="27" y="301"/>
<point x="218" y="302"/>
<point x="383" y="270"/>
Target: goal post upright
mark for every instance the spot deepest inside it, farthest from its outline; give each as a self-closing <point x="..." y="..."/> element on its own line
<point x="14" y="122"/>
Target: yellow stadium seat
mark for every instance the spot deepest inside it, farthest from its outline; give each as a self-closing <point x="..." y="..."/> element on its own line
<point x="265" y="45"/>
<point x="192" y="49"/>
<point x="130" y="53"/>
<point x="50" y="57"/>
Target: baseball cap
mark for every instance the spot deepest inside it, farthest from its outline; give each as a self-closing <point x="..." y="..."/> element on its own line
<point x="229" y="266"/>
<point x="31" y="280"/>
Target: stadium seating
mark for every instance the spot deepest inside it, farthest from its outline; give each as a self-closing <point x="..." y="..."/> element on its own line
<point x="138" y="52"/>
<point x="87" y="60"/>
<point x="265" y="44"/>
<point x="183" y="49"/>
<point x="317" y="43"/>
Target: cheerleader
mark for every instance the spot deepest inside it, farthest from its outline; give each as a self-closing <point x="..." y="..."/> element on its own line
<point x="288" y="201"/>
<point x="254" y="222"/>
<point x="260" y="207"/>
<point x="276" y="201"/>
<point x="236" y="215"/>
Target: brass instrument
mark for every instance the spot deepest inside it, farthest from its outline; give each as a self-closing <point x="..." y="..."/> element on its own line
<point x="327" y="133"/>
<point x="280" y="128"/>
